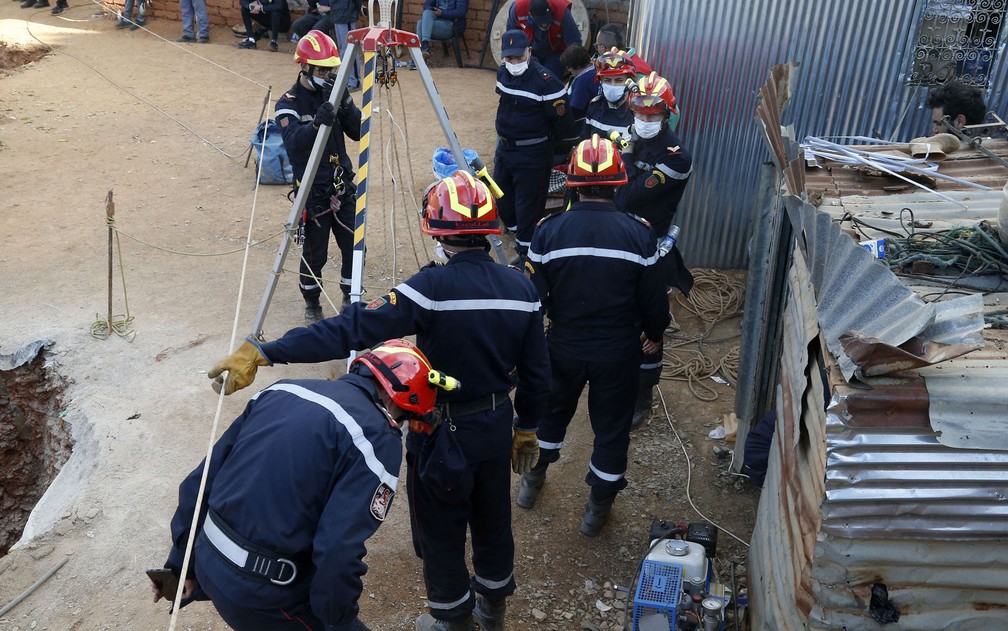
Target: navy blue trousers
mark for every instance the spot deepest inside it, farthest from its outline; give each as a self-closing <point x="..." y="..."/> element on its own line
<point x="523" y="173"/>
<point x="319" y="224"/>
<point x="612" y="390"/>
<point x="439" y="524"/>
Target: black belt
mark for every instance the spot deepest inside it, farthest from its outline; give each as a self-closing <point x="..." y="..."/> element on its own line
<point x="453" y="409"/>
<point x="527" y="142"/>
<point x="252" y="560"/>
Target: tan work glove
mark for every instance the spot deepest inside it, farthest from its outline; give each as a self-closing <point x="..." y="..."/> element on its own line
<point x="524" y="450"/>
<point x="241" y="368"/>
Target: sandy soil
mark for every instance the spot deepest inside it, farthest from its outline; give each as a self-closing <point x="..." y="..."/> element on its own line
<point x="165" y="127"/>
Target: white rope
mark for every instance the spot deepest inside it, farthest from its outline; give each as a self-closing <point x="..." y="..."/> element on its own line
<point x="689" y="473"/>
<point x="220" y="403"/>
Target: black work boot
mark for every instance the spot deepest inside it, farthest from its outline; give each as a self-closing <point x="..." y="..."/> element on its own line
<point x="595" y="516"/>
<point x="531" y="483"/>
<point x="489" y="614"/>
<point x="312" y="312"/>
<point x="428" y="622"/>
<point x="642" y="406"/>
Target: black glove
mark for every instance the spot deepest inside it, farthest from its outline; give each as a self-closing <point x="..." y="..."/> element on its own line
<point x="325" y="115"/>
<point x="347" y="101"/>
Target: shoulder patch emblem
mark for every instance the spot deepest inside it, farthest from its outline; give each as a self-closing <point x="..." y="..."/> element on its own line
<point x="651" y="182"/>
<point x="382" y="501"/>
<point x="392" y="298"/>
<point x="529" y="270"/>
<point x="377" y="303"/>
<point x="561" y="106"/>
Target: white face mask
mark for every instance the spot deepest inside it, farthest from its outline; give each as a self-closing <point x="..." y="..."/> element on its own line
<point x="516" y="69"/>
<point x="613" y="93"/>
<point x="646" y="129"/>
<point x="319" y="81"/>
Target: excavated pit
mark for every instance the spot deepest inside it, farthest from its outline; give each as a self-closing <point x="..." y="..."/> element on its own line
<point x="13" y="56"/>
<point x="35" y="441"/>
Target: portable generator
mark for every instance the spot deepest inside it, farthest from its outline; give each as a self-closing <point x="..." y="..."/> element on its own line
<point x="676" y="590"/>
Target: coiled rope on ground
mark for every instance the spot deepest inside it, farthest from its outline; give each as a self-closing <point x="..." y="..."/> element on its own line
<point x="715" y="297"/>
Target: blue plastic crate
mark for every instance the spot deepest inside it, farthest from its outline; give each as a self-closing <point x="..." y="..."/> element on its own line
<point x="658" y="591"/>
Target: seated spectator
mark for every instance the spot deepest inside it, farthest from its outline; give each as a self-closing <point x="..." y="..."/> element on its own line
<point x="317" y="9"/>
<point x="963" y="104"/>
<point x="550" y="27"/>
<point x="441" y="20"/>
<point x="271" y="14"/>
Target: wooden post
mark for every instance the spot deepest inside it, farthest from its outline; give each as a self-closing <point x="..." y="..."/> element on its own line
<point x="110" y="216"/>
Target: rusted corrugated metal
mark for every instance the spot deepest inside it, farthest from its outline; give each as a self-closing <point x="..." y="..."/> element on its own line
<point x="783" y="542"/>
<point x="902" y="480"/>
<point x="853" y="57"/>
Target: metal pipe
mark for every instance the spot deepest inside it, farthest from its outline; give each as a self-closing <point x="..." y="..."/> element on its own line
<point x="26" y="593"/>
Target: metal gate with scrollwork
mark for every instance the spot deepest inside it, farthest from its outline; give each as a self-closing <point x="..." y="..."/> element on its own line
<point x="957" y="38"/>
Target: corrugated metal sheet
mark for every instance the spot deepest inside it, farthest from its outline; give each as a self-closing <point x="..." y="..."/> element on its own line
<point x="784" y="539"/>
<point x="853" y="62"/>
<point x="877" y="487"/>
<point x="862" y="491"/>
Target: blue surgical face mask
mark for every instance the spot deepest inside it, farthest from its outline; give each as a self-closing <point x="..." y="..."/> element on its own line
<point x="646" y="129"/>
<point x="517" y="69"/>
<point x="613" y="93"/>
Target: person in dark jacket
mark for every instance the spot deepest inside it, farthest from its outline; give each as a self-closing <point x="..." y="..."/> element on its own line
<point x="531" y="113"/>
<point x="295" y="487"/>
<point x="595" y="269"/>
<point x="609" y="112"/>
<point x="332" y="199"/>
<point x="477" y="320"/>
<point x="658" y="169"/>
<point x="549" y="26"/>
<point x="441" y="20"/>
<point x="274" y="15"/>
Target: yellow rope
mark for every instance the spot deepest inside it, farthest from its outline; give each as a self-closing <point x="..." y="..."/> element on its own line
<point x="180" y="253"/>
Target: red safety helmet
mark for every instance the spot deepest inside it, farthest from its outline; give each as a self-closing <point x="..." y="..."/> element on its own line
<point x="596" y="162"/>
<point x="653" y="96"/>
<point x="459" y="205"/>
<point x="317" y="49"/>
<point x="403" y="372"/>
<point x="615" y="63"/>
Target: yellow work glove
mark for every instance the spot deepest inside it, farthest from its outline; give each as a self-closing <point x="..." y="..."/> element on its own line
<point x="241" y="368"/>
<point x="524" y="450"/>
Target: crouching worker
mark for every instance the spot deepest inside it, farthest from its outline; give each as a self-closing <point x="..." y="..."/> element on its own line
<point x="296" y="485"/>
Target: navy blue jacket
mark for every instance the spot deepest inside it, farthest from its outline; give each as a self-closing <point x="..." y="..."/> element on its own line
<point x="658" y="170"/>
<point x="306" y="471"/>
<point x="474" y="319"/>
<point x="532" y="105"/>
<point x="294" y="112"/>
<point x="602" y="119"/>
<point x="595" y="269"/>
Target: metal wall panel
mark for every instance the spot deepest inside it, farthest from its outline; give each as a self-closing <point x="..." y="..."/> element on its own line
<point x="853" y="62"/>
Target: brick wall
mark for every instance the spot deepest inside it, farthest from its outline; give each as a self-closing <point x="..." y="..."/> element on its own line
<point x="226" y="13"/>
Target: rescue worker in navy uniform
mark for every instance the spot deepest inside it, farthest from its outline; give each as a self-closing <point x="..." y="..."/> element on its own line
<point x="549" y="26"/>
<point x="332" y="200"/>
<point x="610" y="112"/>
<point x="296" y="486"/>
<point x="482" y="322"/>
<point x="658" y="169"/>
<point x="532" y="111"/>
<point x="595" y="269"/>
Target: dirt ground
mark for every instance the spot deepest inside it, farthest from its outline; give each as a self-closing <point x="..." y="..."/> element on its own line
<point x="165" y="127"/>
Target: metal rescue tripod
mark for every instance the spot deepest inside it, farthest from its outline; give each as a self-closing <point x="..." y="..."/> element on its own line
<point x="374" y="40"/>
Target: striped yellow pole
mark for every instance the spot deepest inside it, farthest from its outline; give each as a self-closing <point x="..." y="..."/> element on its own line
<point x="360" y="214"/>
